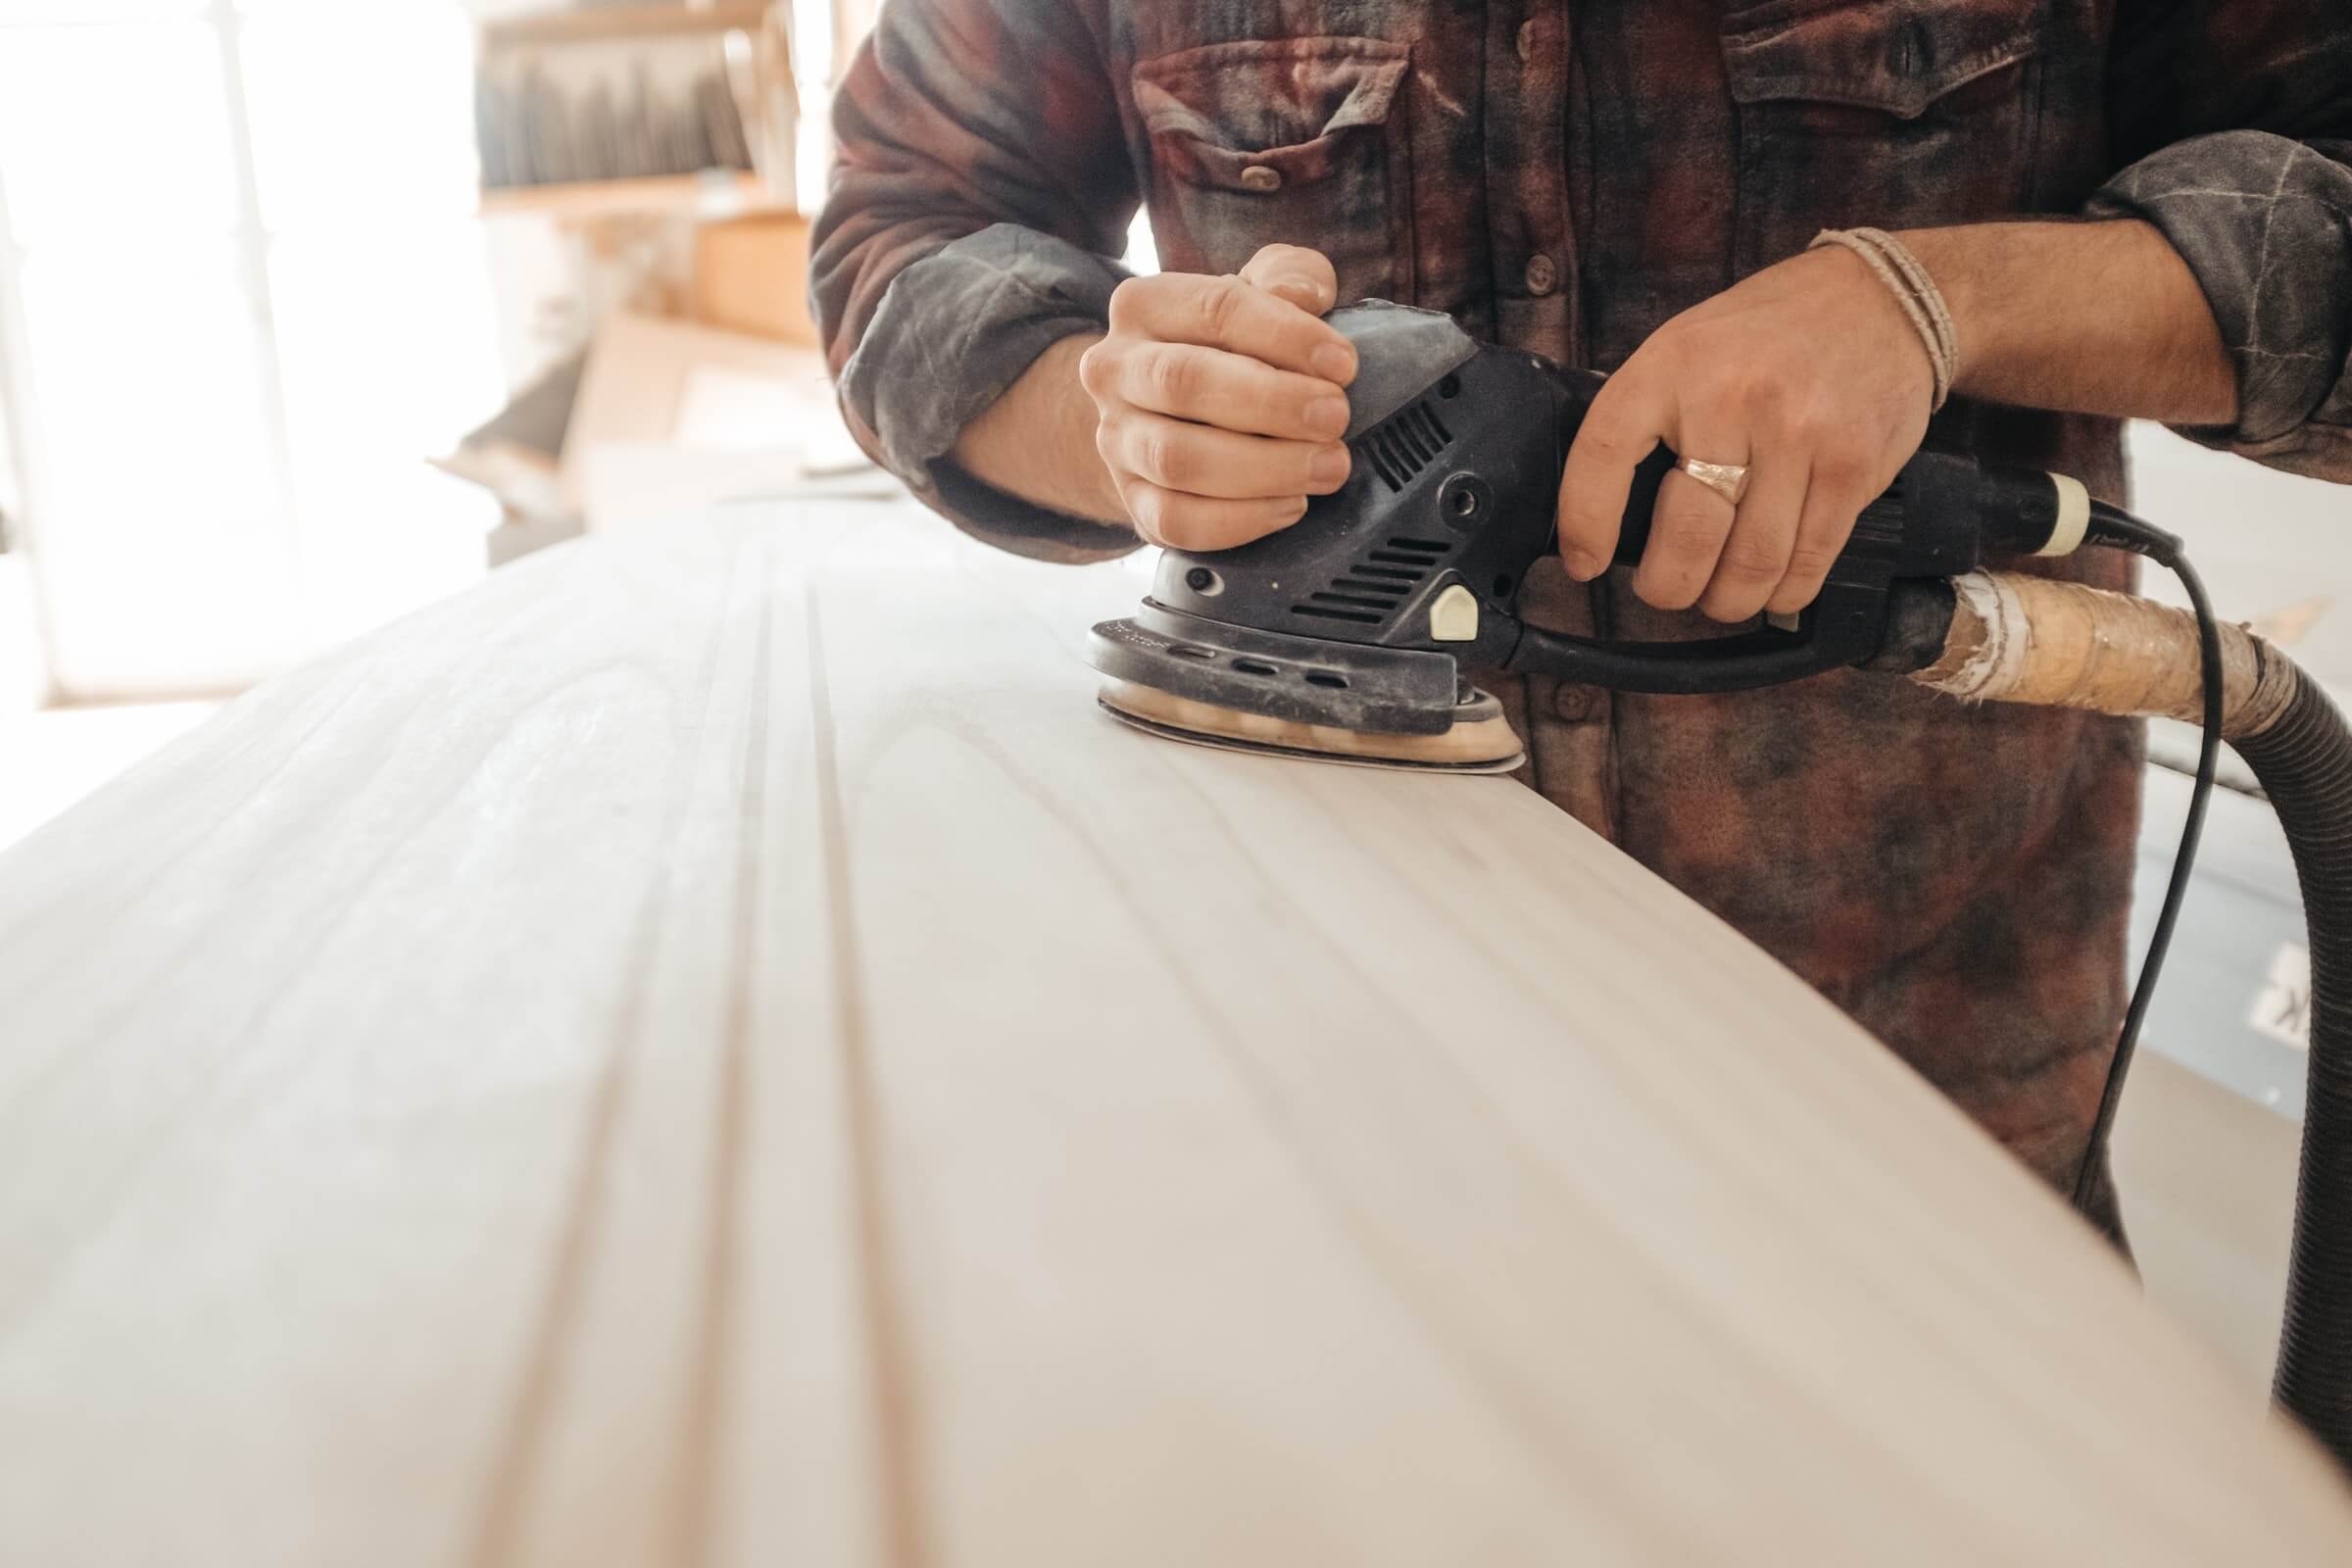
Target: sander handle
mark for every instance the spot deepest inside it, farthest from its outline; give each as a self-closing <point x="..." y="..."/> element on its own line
<point x="2015" y="509"/>
<point x="1640" y="504"/>
<point x="1939" y="518"/>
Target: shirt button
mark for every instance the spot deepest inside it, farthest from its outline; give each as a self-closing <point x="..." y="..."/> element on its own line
<point x="1528" y="38"/>
<point x="1261" y="178"/>
<point x="1575" y="704"/>
<point x="1542" y="275"/>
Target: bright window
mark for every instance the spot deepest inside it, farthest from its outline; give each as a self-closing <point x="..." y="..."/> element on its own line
<point x="235" y="323"/>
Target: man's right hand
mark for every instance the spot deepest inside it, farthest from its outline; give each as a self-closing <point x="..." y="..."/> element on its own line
<point x="1219" y="401"/>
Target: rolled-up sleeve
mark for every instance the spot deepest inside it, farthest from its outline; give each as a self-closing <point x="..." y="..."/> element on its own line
<point x="981" y="193"/>
<point x="2237" y="117"/>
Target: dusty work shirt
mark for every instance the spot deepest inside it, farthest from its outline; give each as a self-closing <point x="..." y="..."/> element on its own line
<point x="1564" y="178"/>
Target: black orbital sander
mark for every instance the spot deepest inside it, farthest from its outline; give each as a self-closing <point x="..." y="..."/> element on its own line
<point x="1348" y="637"/>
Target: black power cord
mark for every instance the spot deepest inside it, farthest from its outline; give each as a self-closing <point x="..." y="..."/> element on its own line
<point x="2119" y="529"/>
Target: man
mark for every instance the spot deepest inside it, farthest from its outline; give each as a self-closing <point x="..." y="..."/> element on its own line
<point x="1633" y="187"/>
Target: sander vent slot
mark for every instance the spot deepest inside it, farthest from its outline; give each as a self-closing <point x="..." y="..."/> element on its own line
<point x="1408" y="442"/>
<point x="1373" y="587"/>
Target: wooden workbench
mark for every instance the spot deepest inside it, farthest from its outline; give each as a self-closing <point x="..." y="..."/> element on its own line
<point x="713" y="1051"/>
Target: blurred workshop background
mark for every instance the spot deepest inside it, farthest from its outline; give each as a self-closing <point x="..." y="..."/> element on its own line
<point x="272" y="271"/>
<point x="315" y="310"/>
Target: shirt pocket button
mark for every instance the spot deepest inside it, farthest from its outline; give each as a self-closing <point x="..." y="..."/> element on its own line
<point x="1261" y="178"/>
<point x="1542" y="275"/>
<point x="1576" y="704"/>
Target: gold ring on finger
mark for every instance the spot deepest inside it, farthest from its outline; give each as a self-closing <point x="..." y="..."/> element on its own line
<point x="1727" y="479"/>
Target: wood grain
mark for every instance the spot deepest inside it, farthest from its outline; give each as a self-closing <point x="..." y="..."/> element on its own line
<point x="710" y="1051"/>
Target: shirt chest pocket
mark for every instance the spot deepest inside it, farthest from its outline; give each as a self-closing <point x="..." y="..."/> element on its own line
<point x="1884" y="113"/>
<point x="1296" y="141"/>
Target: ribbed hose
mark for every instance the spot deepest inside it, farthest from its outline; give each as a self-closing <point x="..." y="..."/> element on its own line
<point x="2044" y="643"/>
<point x="2304" y="762"/>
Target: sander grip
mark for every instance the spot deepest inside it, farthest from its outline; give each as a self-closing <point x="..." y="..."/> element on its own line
<point x="1953" y="507"/>
<point x="1641" y="503"/>
<point x="1572" y="395"/>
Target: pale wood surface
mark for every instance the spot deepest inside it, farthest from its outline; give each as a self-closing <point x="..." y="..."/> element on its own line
<point x="712" y="1051"/>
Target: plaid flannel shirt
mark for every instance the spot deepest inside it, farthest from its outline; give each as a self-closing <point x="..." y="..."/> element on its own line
<point x="1565" y="176"/>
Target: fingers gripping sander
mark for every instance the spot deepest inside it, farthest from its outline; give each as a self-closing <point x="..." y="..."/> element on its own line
<point x="1348" y="635"/>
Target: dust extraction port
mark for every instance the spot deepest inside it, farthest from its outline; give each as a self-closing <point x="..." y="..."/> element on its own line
<point x="1255" y="667"/>
<point x="1326" y="677"/>
<point x="1191" y="651"/>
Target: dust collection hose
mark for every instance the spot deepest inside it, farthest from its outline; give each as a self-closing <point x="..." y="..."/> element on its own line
<point x="1997" y="638"/>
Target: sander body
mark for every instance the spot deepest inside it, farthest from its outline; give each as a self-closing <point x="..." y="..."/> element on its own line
<point x="1351" y="634"/>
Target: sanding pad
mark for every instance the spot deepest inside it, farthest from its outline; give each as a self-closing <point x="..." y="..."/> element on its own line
<point x="1481" y="740"/>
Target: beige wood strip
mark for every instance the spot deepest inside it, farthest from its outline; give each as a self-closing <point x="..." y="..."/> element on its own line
<point x="607" y="21"/>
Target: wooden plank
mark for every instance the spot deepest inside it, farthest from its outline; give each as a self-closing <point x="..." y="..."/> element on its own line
<point x="645" y="377"/>
<point x="623" y="21"/>
<point x="2207" y="1180"/>
<point x="709" y="1050"/>
<point x="750" y="275"/>
<point x="713" y="193"/>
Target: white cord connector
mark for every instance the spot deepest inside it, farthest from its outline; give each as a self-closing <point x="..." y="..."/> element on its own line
<point x="2074" y="516"/>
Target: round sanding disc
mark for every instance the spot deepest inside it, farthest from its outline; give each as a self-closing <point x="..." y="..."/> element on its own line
<point x="1481" y="740"/>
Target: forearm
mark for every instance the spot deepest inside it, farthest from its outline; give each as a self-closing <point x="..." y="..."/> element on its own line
<point x="1038" y="440"/>
<point x="965" y="233"/>
<point x="2090" y="317"/>
<point x="2100" y="318"/>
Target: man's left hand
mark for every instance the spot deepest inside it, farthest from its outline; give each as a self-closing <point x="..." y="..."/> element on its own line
<point x="1811" y="376"/>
